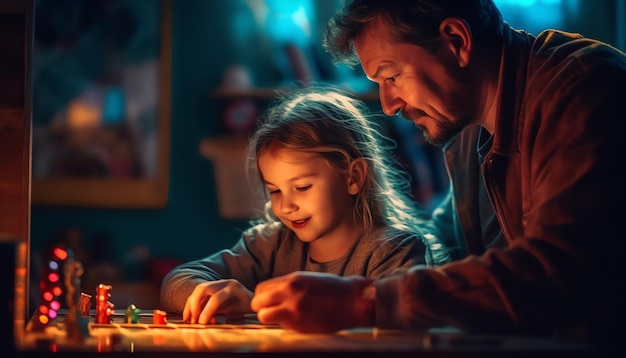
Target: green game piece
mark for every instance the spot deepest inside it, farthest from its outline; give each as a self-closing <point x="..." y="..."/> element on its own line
<point x="132" y="314"/>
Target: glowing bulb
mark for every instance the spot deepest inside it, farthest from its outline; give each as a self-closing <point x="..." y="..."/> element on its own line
<point x="43" y="319"/>
<point x="53" y="277"/>
<point x="55" y="305"/>
<point x="60" y="253"/>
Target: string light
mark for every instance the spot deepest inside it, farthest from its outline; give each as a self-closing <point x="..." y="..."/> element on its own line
<point x="51" y="287"/>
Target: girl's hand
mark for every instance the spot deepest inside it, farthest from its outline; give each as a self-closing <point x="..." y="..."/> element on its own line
<point x="227" y="297"/>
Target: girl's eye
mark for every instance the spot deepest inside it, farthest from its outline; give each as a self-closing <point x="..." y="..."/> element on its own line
<point x="273" y="191"/>
<point x="303" y="188"/>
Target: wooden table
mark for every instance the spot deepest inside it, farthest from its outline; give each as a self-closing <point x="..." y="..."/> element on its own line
<point x="231" y="338"/>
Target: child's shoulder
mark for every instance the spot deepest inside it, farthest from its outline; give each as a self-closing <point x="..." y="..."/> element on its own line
<point x="388" y="235"/>
<point x="385" y="242"/>
<point x="394" y="232"/>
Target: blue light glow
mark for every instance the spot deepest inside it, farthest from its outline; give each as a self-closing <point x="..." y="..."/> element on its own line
<point x="534" y="16"/>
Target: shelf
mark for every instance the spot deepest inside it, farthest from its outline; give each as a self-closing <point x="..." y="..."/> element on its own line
<point x="236" y="197"/>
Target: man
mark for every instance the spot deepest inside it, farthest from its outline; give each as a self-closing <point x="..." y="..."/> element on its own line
<point x="531" y="129"/>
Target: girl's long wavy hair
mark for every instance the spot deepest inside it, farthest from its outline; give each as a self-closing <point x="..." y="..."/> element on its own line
<point x="333" y="123"/>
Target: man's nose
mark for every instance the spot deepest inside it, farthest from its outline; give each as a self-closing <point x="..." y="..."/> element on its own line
<point x="389" y="101"/>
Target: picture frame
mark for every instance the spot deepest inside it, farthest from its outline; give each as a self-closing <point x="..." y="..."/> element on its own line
<point x="101" y="138"/>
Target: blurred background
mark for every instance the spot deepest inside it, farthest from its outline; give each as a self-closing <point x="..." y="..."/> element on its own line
<point x="122" y="103"/>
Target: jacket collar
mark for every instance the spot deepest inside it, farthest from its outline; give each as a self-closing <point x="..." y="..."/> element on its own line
<point x="516" y="48"/>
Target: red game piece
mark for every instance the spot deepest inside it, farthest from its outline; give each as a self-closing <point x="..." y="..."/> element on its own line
<point x="84" y="304"/>
<point x="104" y="308"/>
<point x="159" y="317"/>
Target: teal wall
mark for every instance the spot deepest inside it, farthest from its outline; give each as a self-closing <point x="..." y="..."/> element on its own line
<point x="189" y="226"/>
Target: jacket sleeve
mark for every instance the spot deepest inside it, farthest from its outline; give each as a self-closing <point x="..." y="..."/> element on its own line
<point x="248" y="261"/>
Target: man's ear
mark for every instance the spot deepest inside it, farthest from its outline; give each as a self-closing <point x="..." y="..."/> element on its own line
<point x="357" y="172"/>
<point x="457" y="37"/>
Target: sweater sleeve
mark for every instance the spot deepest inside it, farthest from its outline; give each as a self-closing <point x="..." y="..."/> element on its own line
<point x="249" y="261"/>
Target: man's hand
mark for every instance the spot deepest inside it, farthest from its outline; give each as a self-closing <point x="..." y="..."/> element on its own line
<point x="313" y="302"/>
<point x="228" y="297"/>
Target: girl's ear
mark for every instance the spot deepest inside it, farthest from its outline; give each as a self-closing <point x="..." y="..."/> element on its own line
<point x="357" y="171"/>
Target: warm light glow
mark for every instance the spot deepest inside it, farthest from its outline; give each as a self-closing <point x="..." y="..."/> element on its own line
<point x="53" y="277"/>
<point x="159" y="339"/>
<point x="55" y="305"/>
<point x="47" y="296"/>
<point x="43" y="319"/>
<point x="60" y="253"/>
<point x="57" y="291"/>
<point x="81" y="114"/>
<point x="43" y="309"/>
<point x="104" y="343"/>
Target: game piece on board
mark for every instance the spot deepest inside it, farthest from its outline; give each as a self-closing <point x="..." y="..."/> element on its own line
<point x="84" y="304"/>
<point x="104" y="308"/>
<point x="132" y="314"/>
<point x="159" y="317"/>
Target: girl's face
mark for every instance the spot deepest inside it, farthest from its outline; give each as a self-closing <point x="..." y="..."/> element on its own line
<point x="311" y="198"/>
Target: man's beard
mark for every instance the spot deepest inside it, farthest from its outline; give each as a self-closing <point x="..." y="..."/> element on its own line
<point x="447" y="131"/>
<point x="448" y="128"/>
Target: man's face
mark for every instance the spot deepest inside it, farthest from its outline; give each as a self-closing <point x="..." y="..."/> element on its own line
<point x="427" y="89"/>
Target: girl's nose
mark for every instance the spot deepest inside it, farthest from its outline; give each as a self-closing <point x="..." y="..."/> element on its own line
<point x="287" y="205"/>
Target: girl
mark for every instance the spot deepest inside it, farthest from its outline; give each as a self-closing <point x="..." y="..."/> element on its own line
<point x="338" y="203"/>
